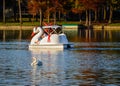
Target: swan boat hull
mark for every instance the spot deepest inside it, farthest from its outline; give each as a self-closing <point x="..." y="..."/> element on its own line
<point x="51" y="46"/>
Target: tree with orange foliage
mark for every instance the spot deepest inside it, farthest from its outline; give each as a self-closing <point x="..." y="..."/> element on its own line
<point x="54" y="7"/>
<point x="112" y="4"/>
<point x="35" y="7"/>
<point x="78" y="8"/>
<point x="88" y="6"/>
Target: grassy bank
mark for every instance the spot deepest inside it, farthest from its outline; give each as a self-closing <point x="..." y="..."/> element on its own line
<point x="70" y="23"/>
<point x="67" y="25"/>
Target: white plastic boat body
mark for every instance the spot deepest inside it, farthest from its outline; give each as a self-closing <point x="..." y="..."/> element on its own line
<point x="52" y="38"/>
<point x="53" y="46"/>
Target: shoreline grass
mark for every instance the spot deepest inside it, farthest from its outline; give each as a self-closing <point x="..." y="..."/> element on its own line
<point x="71" y="23"/>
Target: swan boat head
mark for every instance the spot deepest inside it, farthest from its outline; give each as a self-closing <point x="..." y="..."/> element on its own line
<point x="37" y="32"/>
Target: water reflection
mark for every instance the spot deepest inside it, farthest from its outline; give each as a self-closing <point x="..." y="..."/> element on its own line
<point x="92" y="68"/>
<point x="94" y="39"/>
<point x="52" y="70"/>
<point x="81" y="68"/>
<point x="15" y="34"/>
<point x="82" y="35"/>
<point x="89" y="35"/>
<point x="93" y="62"/>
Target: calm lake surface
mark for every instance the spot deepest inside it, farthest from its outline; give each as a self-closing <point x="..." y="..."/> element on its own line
<point x="95" y="60"/>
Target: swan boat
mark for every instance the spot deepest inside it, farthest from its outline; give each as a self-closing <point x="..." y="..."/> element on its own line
<point x="50" y="36"/>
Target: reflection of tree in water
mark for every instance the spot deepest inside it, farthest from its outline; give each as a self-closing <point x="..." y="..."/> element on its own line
<point x="82" y="69"/>
<point x="89" y="35"/>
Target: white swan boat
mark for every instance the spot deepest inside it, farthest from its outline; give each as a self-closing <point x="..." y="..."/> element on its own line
<point x="50" y="36"/>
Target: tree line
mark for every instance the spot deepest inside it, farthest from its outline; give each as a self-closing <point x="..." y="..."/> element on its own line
<point x="91" y="10"/>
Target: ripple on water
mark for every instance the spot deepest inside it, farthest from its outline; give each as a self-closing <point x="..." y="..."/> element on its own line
<point x="86" y="64"/>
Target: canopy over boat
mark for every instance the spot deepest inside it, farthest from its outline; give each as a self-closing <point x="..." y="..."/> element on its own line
<point x="52" y="26"/>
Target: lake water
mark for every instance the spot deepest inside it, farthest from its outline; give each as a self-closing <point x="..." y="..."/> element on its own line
<point x="94" y="61"/>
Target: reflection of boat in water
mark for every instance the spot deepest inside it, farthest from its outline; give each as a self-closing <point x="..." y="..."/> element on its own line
<point x="50" y="36"/>
<point x="52" y="68"/>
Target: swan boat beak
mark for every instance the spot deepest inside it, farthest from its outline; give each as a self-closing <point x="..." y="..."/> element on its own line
<point x="32" y="34"/>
